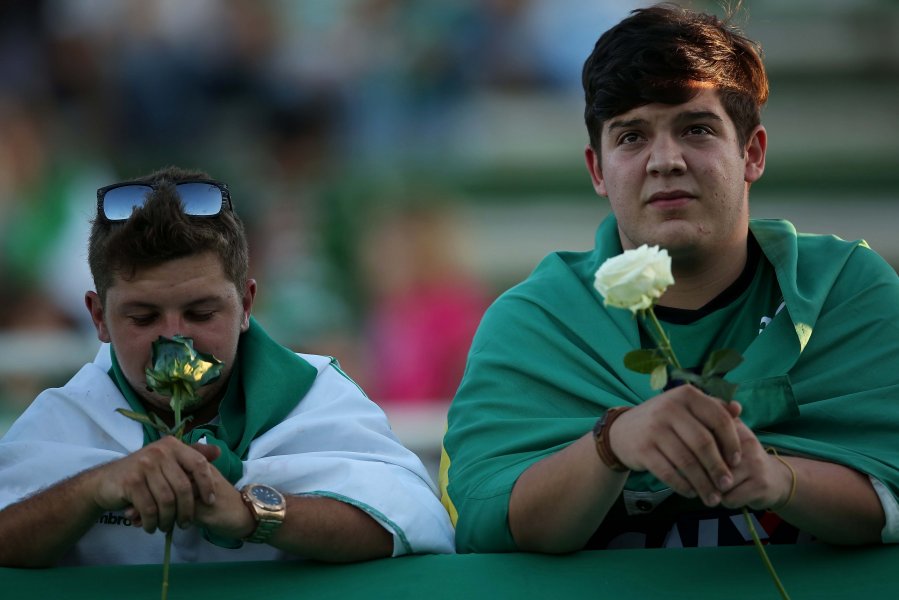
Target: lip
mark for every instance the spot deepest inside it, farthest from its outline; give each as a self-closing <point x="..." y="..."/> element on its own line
<point x="671" y="199"/>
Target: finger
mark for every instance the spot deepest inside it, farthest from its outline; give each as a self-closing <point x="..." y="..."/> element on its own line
<point x="675" y="463"/>
<point x="669" y="474"/>
<point x="182" y="493"/>
<point x="129" y="476"/>
<point x="164" y="498"/>
<point x="145" y="506"/>
<point x="201" y="473"/>
<point x="745" y="493"/>
<point x="735" y="497"/>
<point x="131" y="514"/>
<point x="209" y="451"/>
<point x="701" y="462"/>
<point x="718" y="420"/>
<point x="767" y="479"/>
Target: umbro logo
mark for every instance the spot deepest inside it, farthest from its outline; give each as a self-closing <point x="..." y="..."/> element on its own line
<point x="114" y="519"/>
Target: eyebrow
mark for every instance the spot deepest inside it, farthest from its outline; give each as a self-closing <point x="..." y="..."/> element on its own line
<point x="687" y="115"/>
<point x="137" y="304"/>
<point x="626" y="123"/>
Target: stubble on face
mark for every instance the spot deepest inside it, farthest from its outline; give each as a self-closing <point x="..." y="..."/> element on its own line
<point x="674" y="178"/>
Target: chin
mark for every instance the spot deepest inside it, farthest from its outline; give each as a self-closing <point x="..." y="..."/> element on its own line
<point x="681" y="248"/>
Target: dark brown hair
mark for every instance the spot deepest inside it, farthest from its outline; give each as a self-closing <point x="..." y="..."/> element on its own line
<point x="160" y="231"/>
<point x="660" y="54"/>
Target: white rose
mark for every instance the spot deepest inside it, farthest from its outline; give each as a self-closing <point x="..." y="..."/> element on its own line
<point x="634" y="279"/>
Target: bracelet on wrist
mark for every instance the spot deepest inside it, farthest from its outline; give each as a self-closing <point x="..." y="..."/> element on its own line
<point x="782" y="505"/>
<point x="603" y="443"/>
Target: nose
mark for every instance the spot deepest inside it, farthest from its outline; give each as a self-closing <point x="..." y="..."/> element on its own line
<point x="174" y="325"/>
<point x="665" y="157"/>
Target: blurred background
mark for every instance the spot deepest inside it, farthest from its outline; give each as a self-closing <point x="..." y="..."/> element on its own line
<point x="398" y="163"/>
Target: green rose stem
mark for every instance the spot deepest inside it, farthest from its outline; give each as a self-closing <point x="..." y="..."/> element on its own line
<point x="764" y="555"/>
<point x="662" y="340"/>
<point x="665" y="347"/>
<point x="178" y="371"/>
<point x="178" y="400"/>
<point x="166" y="561"/>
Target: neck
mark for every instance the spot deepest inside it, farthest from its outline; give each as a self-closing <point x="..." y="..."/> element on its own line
<point x="698" y="282"/>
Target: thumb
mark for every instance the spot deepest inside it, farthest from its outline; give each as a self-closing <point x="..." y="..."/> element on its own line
<point x="210" y="451"/>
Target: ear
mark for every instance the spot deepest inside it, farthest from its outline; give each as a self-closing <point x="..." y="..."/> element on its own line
<point x="754" y="153"/>
<point x="95" y="308"/>
<point x="595" y="169"/>
<point x="249" y="295"/>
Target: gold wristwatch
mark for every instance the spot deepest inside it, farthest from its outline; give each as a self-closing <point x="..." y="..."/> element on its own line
<point x="267" y="506"/>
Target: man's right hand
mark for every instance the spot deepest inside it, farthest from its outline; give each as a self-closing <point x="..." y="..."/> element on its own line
<point x="684" y="437"/>
<point x="159" y="484"/>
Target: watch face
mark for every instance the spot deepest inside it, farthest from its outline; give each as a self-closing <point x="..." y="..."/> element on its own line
<point x="266" y="495"/>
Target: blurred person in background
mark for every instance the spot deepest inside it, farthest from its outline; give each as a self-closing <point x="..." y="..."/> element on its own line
<point x="44" y="223"/>
<point x="286" y="457"/>
<point x="43" y="271"/>
<point x="423" y="304"/>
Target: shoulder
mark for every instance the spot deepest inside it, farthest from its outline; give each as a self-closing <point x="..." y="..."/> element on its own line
<point x="810" y="247"/>
<point x="333" y="387"/>
<point x="328" y="370"/>
<point x="819" y="264"/>
<point x="857" y="264"/>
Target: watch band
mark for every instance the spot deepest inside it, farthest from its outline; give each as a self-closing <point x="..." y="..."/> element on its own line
<point x="601" y="437"/>
<point x="264" y="530"/>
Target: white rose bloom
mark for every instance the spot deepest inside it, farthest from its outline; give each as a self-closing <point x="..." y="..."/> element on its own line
<point x="634" y="279"/>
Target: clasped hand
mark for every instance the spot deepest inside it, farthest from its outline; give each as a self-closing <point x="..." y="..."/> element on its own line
<point x="697" y="445"/>
<point x="167" y="483"/>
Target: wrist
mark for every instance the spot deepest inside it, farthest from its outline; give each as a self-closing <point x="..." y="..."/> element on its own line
<point x="602" y="439"/>
<point x="790" y="479"/>
<point x="248" y="522"/>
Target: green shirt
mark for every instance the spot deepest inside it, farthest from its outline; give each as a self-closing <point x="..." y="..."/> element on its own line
<point x="732" y="320"/>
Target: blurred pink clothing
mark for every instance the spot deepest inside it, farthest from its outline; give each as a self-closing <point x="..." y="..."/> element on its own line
<point x="420" y="341"/>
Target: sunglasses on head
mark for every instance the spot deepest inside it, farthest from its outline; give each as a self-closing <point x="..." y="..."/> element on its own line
<point x="199" y="198"/>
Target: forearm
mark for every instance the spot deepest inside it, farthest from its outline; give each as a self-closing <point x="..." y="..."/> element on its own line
<point x="330" y="530"/>
<point x="834" y="503"/>
<point x="61" y="514"/>
<point x="560" y="501"/>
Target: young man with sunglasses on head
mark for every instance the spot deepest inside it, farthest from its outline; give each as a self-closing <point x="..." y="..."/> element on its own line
<point x="285" y="455"/>
<point x="553" y="445"/>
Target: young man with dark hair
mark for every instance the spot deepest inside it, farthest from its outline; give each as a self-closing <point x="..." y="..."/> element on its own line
<point x="673" y="103"/>
<point x="284" y="451"/>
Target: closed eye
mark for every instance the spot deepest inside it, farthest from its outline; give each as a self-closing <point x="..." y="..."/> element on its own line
<point x="143" y="320"/>
<point x="200" y="316"/>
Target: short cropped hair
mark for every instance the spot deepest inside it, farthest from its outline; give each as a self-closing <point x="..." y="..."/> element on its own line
<point x="160" y="231"/>
<point x="666" y="54"/>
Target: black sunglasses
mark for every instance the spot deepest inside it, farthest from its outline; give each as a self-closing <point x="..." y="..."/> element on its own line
<point x="199" y="197"/>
